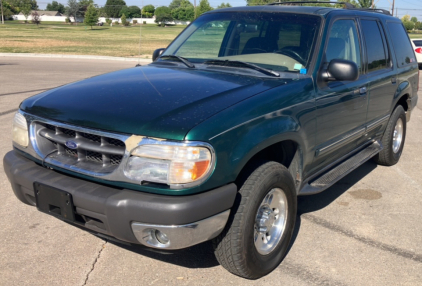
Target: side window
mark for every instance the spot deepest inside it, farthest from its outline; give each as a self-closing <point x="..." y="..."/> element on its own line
<point x="344" y="43"/>
<point x="401" y="43"/>
<point x="377" y="53"/>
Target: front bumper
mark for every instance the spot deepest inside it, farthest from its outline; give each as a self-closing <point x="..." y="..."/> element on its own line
<point x="126" y="214"/>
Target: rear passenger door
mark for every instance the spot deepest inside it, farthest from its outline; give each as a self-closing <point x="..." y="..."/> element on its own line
<point x="382" y="81"/>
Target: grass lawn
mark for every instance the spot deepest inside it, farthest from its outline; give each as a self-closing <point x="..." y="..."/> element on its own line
<point x="415" y="36"/>
<point x="61" y="38"/>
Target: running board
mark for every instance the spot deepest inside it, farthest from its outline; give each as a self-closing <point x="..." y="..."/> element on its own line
<point x="332" y="176"/>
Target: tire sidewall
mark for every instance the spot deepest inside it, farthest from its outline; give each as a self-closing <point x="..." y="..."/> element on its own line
<point x="264" y="264"/>
<point x="397" y="114"/>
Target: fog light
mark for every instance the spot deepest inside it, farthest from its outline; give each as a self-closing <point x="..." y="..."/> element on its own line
<point x="161" y="237"/>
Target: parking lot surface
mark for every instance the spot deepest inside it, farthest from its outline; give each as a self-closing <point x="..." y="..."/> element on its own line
<point x="365" y="230"/>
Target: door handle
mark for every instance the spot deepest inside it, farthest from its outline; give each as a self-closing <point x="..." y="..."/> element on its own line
<point x="362" y="90"/>
<point x="393" y="80"/>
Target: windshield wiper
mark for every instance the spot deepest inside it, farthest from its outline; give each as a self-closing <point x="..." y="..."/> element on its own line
<point x="240" y="64"/>
<point x="183" y="60"/>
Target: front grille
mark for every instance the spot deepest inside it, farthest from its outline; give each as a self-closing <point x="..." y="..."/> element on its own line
<point x="87" y="151"/>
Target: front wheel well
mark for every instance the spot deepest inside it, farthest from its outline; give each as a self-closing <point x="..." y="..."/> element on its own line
<point x="403" y="102"/>
<point x="282" y="152"/>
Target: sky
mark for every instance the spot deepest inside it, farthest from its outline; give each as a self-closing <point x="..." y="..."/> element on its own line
<point x="410" y="7"/>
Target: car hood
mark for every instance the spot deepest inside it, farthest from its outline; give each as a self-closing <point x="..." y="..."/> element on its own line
<point x="155" y="101"/>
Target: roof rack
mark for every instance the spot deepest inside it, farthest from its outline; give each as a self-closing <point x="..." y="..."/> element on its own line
<point x="346" y="5"/>
<point x="376" y="10"/>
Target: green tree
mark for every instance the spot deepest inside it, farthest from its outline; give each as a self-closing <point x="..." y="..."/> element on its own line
<point x="149" y="9"/>
<point x="91" y="16"/>
<point x="124" y="21"/>
<point x="55" y="6"/>
<point x="405" y="18"/>
<point x="258" y="2"/>
<point x="9" y="10"/>
<point x="409" y="25"/>
<point x="163" y="18"/>
<point x="175" y="4"/>
<point x="204" y="6"/>
<point x="418" y="26"/>
<point x="222" y="5"/>
<point x="162" y="10"/>
<point x="131" y="12"/>
<point x="414" y="19"/>
<point x="365" y="3"/>
<point x="185" y="12"/>
<point x="102" y="12"/>
<point x="83" y="6"/>
<point x="113" y="8"/>
<point x="26" y="9"/>
<point x="72" y="9"/>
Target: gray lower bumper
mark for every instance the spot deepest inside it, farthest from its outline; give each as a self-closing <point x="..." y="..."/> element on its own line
<point x="112" y="211"/>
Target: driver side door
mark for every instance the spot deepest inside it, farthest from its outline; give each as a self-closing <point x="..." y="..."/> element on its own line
<point x="341" y="105"/>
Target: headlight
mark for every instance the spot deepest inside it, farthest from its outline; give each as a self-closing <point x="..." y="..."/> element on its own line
<point x="20" y="130"/>
<point x="173" y="164"/>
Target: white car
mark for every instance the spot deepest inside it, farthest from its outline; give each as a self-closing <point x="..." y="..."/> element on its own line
<point x="417" y="46"/>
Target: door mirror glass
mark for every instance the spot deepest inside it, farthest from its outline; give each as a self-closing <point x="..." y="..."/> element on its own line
<point x="157" y="53"/>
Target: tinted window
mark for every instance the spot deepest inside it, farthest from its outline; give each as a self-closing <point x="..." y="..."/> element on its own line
<point x="377" y="54"/>
<point x="418" y="43"/>
<point x="344" y="42"/>
<point x="401" y="43"/>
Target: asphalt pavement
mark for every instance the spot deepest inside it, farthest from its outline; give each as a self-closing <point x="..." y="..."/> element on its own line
<point x="365" y="230"/>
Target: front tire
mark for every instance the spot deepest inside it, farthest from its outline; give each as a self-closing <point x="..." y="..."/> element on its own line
<point x="258" y="233"/>
<point x="393" y="139"/>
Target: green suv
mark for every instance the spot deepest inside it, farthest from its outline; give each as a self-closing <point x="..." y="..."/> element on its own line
<point x="246" y="109"/>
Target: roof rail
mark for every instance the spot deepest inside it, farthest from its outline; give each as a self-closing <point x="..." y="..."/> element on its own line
<point x="375" y="10"/>
<point x="346" y="5"/>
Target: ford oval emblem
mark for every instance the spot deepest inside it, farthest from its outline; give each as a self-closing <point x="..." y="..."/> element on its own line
<point x="71" y="145"/>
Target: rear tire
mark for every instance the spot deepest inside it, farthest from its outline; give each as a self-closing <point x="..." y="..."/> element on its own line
<point x="258" y="233"/>
<point x="393" y="139"/>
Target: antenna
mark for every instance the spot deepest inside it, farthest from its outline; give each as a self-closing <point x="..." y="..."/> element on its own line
<point x="140" y="35"/>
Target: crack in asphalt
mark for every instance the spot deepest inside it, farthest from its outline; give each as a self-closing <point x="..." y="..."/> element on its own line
<point x="370" y="242"/>
<point x="306" y="275"/>
<point x="8" y="112"/>
<point x="19" y="92"/>
<point x="95" y="262"/>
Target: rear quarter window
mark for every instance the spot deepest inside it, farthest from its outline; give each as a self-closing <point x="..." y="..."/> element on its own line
<point x="418" y="43"/>
<point x="402" y="47"/>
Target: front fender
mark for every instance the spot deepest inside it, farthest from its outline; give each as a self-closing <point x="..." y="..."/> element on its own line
<point x="240" y="132"/>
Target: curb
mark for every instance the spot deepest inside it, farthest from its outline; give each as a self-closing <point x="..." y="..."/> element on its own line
<point x="86" y="57"/>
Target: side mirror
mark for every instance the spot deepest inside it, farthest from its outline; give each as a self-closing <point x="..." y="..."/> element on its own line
<point x="156" y="54"/>
<point x="341" y="70"/>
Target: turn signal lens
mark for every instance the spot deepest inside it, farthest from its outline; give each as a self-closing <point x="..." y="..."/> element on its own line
<point x="20" y="130"/>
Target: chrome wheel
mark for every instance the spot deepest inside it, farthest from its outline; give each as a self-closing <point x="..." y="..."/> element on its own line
<point x="397" y="135"/>
<point x="270" y="221"/>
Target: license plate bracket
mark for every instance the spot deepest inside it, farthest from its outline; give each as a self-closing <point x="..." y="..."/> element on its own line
<point x="54" y="202"/>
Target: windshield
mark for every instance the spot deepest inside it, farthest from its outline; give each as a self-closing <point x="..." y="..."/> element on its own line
<point x="276" y="41"/>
